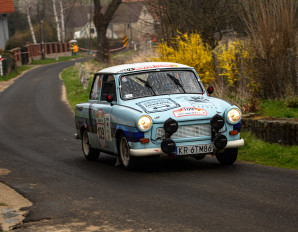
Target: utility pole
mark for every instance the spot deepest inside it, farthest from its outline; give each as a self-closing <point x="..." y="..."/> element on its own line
<point x="41" y="43"/>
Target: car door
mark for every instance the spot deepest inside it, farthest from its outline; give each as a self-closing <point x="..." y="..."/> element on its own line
<point x="101" y="113"/>
<point x="94" y="105"/>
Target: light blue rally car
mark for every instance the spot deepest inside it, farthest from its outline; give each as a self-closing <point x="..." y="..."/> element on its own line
<point x="156" y="109"/>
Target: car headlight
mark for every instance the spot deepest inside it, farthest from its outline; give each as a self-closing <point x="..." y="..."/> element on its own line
<point x="234" y="115"/>
<point x="145" y="123"/>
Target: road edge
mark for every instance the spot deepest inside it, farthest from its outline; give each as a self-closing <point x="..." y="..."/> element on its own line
<point x="13" y="206"/>
<point x="5" y="84"/>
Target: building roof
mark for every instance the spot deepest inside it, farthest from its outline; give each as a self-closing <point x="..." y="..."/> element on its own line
<point x="142" y="66"/>
<point x="78" y="16"/>
<point x="128" y="12"/>
<point x="6" y="6"/>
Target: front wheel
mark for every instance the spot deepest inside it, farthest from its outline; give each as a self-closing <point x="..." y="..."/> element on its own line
<point x="124" y="151"/>
<point x="228" y="157"/>
<point x="89" y="152"/>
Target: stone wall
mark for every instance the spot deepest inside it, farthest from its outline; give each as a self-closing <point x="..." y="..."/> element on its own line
<point x="273" y="130"/>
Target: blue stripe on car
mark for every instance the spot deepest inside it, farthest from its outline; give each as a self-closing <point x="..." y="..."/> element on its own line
<point x="237" y="126"/>
<point x="131" y="133"/>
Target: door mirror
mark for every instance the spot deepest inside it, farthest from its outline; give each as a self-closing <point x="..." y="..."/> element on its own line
<point x="210" y="90"/>
<point x="109" y="98"/>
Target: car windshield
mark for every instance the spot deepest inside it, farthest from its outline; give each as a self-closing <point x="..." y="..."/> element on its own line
<point x="159" y="83"/>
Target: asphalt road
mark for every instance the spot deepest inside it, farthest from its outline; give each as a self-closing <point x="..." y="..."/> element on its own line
<point x="47" y="167"/>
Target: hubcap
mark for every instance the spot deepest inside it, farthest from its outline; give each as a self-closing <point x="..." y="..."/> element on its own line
<point x="124" y="151"/>
<point x="86" y="146"/>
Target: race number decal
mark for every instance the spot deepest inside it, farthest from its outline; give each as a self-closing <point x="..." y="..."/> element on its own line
<point x="100" y="128"/>
<point x="108" y="127"/>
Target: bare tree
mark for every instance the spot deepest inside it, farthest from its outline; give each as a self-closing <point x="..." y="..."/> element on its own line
<point x="211" y="18"/>
<point x="62" y="21"/>
<point x="28" y="4"/>
<point x="272" y="28"/>
<point x="57" y="21"/>
<point x="101" y="21"/>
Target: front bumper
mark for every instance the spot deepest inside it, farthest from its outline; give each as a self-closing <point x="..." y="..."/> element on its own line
<point x="159" y="152"/>
<point x="235" y="143"/>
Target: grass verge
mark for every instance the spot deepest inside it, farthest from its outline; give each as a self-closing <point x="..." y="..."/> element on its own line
<point x="56" y="60"/>
<point x="23" y="68"/>
<point x="16" y="73"/>
<point x="282" y="109"/>
<point x="75" y="92"/>
<point x="260" y="152"/>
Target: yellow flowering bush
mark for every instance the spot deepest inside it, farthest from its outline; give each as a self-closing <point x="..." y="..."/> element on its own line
<point x="234" y="66"/>
<point x="235" y="61"/>
<point x="189" y="50"/>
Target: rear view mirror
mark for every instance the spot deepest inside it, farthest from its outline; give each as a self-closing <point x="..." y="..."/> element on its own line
<point x="110" y="98"/>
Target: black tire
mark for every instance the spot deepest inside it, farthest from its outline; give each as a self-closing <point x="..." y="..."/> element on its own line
<point x="228" y="157"/>
<point x="90" y="153"/>
<point x="123" y="147"/>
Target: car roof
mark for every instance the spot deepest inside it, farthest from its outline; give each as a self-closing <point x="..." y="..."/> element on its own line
<point x="142" y="66"/>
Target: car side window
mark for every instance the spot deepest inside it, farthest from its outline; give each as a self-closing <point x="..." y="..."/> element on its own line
<point x="95" y="91"/>
<point x="108" y="87"/>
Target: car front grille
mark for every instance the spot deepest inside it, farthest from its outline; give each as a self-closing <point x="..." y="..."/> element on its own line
<point x="187" y="131"/>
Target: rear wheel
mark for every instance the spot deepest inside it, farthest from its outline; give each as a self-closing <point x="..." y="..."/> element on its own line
<point x="124" y="151"/>
<point x="89" y="152"/>
<point x="228" y="157"/>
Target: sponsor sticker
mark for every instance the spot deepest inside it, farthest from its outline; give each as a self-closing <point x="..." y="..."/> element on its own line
<point x="148" y="67"/>
<point x="189" y="111"/>
<point x="128" y="96"/>
<point x="108" y="133"/>
<point x="100" y="128"/>
<point x="158" y="105"/>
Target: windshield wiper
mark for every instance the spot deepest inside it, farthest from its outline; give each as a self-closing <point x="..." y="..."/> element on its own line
<point x="176" y="81"/>
<point x="147" y="85"/>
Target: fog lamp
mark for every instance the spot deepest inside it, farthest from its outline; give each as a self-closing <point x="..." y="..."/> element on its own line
<point x="168" y="146"/>
<point x="170" y="126"/>
<point x="217" y="122"/>
<point x="220" y="141"/>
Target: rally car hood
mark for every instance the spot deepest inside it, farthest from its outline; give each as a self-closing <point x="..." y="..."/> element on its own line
<point x="180" y="107"/>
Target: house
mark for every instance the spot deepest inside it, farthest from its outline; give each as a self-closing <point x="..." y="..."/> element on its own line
<point x="6" y="7"/>
<point x="76" y="19"/>
<point x="132" y="19"/>
<point x="89" y="31"/>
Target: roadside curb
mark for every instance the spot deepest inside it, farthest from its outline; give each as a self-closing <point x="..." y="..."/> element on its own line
<point x="272" y="129"/>
<point x="64" y="93"/>
<point x="5" y="84"/>
<point x="13" y="206"/>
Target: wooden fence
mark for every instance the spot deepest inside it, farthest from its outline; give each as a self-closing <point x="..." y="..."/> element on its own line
<point x="31" y="52"/>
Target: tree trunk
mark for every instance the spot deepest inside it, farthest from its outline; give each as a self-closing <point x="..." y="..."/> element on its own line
<point x="62" y="21"/>
<point x="30" y="24"/>
<point x="57" y="21"/>
<point x="101" y="22"/>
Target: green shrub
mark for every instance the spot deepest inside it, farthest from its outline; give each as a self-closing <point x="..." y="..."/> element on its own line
<point x="8" y="62"/>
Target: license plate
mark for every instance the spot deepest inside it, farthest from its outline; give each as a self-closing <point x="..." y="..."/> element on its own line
<point x="194" y="149"/>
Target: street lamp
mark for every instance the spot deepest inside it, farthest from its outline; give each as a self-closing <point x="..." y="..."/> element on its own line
<point x="41" y="44"/>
